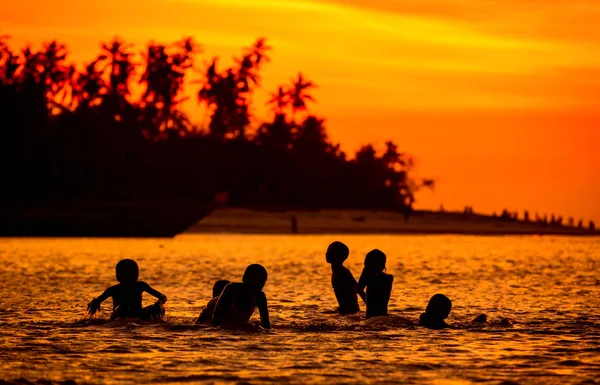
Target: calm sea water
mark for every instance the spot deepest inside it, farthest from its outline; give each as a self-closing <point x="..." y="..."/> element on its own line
<point x="549" y="287"/>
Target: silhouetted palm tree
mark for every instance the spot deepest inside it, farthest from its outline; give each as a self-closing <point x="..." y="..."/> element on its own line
<point x="228" y="93"/>
<point x="299" y="96"/>
<point x="88" y="86"/>
<point x="311" y="136"/>
<point x="55" y="71"/>
<point x="279" y="101"/>
<point x="163" y="77"/>
<point x="116" y="55"/>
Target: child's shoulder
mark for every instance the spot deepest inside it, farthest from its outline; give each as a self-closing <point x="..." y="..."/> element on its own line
<point x="235" y="286"/>
<point x="342" y="273"/>
<point x="142" y="284"/>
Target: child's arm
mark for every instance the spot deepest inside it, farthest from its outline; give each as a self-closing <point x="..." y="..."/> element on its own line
<point x="207" y="312"/>
<point x="223" y="304"/>
<point x="360" y="287"/>
<point x="148" y="289"/>
<point x="261" y="302"/>
<point x="94" y="304"/>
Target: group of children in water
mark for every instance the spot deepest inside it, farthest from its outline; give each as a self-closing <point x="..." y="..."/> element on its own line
<point x="233" y="303"/>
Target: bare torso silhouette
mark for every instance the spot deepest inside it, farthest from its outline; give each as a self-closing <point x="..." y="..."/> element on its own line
<point x="379" y="289"/>
<point x="127" y="298"/>
<point x="237" y="304"/>
<point x="344" y="287"/>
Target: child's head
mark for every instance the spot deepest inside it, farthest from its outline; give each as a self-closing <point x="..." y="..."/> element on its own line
<point x="439" y="307"/>
<point x="255" y="277"/>
<point x="375" y="259"/>
<point x="219" y="286"/>
<point x="337" y="253"/>
<point x="127" y="271"/>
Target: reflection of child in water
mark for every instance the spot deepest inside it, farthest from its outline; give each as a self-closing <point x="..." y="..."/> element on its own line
<point x="438" y="309"/>
<point x="127" y="295"/>
<point x="239" y="300"/>
<point x="378" y="284"/>
<point x="207" y="313"/>
<point x="342" y="280"/>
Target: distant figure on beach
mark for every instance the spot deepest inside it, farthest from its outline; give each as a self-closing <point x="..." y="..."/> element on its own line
<point x="207" y="313"/>
<point x="377" y="282"/>
<point x="342" y="280"/>
<point x="239" y="300"/>
<point x="127" y="295"/>
<point x="438" y="309"/>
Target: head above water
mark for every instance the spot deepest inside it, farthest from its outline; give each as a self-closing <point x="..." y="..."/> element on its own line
<point x="127" y="271"/>
<point x="255" y="277"/>
<point x="337" y="253"/>
<point x="439" y="306"/>
<point x="219" y="286"/>
<point x="375" y="259"/>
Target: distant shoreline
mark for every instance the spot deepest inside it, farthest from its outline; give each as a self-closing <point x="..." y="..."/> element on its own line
<point x="330" y="221"/>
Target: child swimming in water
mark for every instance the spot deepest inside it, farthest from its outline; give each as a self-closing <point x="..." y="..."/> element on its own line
<point x="377" y="282"/>
<point x="438" y="309"/>
<point x="207" y="313"/>
<point x="127" y="295"/>
<point x="342" y="280"/>
<point x="239" y="300"/>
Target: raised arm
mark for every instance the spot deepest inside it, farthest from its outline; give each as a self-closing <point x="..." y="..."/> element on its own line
<point x="223" y="305"/>
<point x="153" y="292"/>
<point x="261" y="302"/>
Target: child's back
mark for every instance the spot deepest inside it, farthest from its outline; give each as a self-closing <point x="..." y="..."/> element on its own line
<point x="378" y="284"/>
<point x="342" y="280"/>
<point x="239" y="300"/>
<point x="207" y="313"/>
<point x="127" y="295"/>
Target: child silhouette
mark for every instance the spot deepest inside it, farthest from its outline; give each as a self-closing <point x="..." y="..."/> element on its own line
<point x="342" y="280"/>
<point x="207" y="313"/>
<point x="377" y="282"/>
<point x="239" y="300"/>
<point x="127" y="295"/>
<point x="438" y="309"/>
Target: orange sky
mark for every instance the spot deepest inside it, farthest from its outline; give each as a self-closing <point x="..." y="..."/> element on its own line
<point x="497" y="99"/>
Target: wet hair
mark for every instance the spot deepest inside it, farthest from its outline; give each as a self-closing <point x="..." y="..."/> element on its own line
<point x="439" y="306"/>
<point x="127" y="271"/>
<point x="255" y="276"/>
<point x="375" y="259"/>
<point x="219" y="286"/>
<point x="337" y="252"/>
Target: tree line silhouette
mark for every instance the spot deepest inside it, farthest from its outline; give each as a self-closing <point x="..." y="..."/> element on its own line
<point x="114" y="129"/>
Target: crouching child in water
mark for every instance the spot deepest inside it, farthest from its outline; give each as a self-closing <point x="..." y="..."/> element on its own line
<point x="342" y="280"/>
<point x="378" y="284"/>
<point x="127" y="295"/>
<point x="239" y="300"/>
<point x="207" y="313"/>
<point x="438" y="309"/>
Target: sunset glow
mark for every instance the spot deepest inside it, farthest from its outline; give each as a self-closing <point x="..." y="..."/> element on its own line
<point x="496" y="99"/>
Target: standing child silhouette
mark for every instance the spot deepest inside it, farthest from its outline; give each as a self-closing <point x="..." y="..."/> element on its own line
<point x="378" y="284"/>
<point x="342" y="280"/>
<point x="127" y="295"/>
